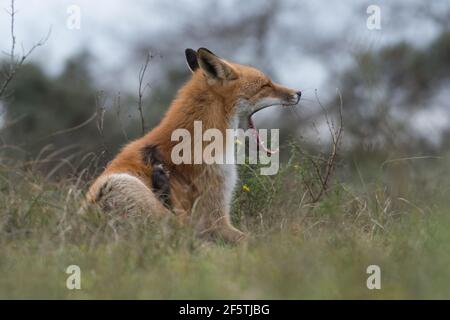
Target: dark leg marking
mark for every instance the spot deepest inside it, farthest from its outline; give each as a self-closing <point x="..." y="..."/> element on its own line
<point x="159" y="176"/>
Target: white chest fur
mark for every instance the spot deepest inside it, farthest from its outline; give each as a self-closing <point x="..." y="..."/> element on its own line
<point x="229" y="171"/>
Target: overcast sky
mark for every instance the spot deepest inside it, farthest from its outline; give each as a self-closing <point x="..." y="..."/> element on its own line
<point x="110" y="29"/>
<point x="105" y="23"/>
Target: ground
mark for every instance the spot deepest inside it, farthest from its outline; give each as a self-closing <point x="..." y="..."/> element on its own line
<point x="295" y="249"/>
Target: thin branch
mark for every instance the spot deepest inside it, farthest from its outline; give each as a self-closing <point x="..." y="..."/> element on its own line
<point x="329" y="125"/>
<point x="100" y="107"/>
<point x="13" y="37"/>
<point x="117" y="102"/>
<point x="142" y="88"/>
<point x="15" y="65"/>
<point x="324" y="176"/>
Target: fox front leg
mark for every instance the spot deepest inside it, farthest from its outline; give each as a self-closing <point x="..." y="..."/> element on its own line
<point x="224" y="230"/>
<point x="230" y="234"/>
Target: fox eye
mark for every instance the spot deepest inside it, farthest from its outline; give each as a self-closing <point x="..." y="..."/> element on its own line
<point x="261" y="88"/>
<point x="264" y="86"/>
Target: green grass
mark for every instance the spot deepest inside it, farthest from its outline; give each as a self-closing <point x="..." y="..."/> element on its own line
<point x="296" y="250"/>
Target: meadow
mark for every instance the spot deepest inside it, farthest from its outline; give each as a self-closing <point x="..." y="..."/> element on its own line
<point x="394" y="214"/>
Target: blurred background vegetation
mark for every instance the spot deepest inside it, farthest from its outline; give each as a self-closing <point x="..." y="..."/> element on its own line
<point x="395" y="86"/>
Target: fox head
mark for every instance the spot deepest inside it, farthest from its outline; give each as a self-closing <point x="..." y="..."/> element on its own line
<point x="249" y="89"/>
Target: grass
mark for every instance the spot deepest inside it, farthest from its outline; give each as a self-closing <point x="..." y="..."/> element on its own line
<point x="296" y="250"/>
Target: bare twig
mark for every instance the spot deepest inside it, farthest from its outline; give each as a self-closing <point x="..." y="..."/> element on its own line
<point x="13" y="37"/>
<point x="118" y="104"/>
<point x="324" y="175"/>
<point x="142" y="88"/>
<point x="15" y="64"/>
<point x="100" y="101"/>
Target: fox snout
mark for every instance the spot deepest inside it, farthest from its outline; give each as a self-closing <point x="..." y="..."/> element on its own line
<point x="295" y="98"/>
<point x="289" y="96"/>
<point x="286" y="95"/>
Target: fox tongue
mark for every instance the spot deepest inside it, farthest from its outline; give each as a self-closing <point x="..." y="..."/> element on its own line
<point x="256" y="134"/>
<point x="250" y="123"/>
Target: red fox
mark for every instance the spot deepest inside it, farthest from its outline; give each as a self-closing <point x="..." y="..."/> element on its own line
<point x="143" y="176"/>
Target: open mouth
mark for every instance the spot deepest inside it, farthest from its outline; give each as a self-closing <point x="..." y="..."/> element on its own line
<point x="251" y="125"/>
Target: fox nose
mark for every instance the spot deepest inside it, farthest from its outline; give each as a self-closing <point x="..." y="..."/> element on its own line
<point x="299" y="95"/>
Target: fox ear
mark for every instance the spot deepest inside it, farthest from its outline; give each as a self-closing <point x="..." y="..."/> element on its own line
<point x="191" y="59"/>
<point x="214" y="67"/>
